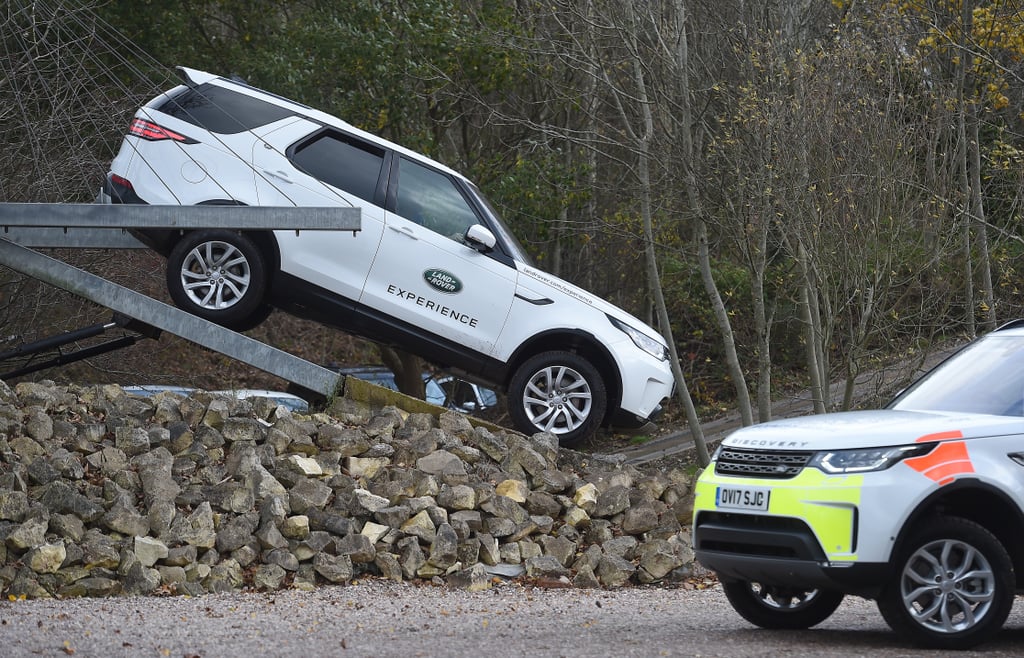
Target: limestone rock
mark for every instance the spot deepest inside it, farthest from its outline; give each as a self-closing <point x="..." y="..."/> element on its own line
<point x="473" y="579"/>
<point x="31" y="533"/>
<point x="46" y="558"/>
<point x="516" y="490"/>
<point x="149" y="550"/>
<point x="335" y="568"/>
<point x="200" y="494"/>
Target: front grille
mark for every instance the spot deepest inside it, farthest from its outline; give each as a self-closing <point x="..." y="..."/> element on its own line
<point x="778" y="464"/>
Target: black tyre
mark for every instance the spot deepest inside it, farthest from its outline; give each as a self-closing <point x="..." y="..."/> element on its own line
<point x="558" y="392"/>
<point x="255" y="319"/>
<point x="218" y="275"/>
<point x="952" y="587"/>
<point x="781" y="608"/>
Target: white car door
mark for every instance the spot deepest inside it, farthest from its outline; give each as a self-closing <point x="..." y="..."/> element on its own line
<point x="300" y="165"/>
<point x="425" y="275"/>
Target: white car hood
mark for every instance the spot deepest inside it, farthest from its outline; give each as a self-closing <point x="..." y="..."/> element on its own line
<point x="535" y="284"/>
<point x="859" y="429"/>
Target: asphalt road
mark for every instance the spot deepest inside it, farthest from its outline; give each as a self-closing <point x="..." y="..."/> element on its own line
<point x="380" y="619"/>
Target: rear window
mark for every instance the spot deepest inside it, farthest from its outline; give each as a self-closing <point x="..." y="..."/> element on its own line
<point x="222" y="110"/>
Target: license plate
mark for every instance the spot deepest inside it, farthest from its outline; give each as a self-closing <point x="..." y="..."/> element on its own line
<point x="746" y="498"/>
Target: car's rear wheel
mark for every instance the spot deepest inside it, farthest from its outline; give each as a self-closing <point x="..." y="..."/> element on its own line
<point x="785" y="608"/>
<point x="953" y="585"/>
<point x="254" y="319"/>
<point x="558" y="392"/>
<point x="218" y="275"/>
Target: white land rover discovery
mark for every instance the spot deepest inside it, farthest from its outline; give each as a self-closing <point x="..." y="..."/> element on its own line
<point x="433" y="269"/>
<point x="919" y="506"/>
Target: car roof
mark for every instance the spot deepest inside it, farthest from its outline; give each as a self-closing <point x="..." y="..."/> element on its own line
<point x="197" y="77"/>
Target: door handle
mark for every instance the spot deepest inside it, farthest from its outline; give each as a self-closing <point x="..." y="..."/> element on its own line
<point x="280" y="175"/>
<point x="404" y="230"/>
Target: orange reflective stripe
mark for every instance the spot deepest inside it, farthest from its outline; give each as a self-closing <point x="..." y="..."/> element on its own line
<point x="941" y="436"/>
<point x="944" y="463"/>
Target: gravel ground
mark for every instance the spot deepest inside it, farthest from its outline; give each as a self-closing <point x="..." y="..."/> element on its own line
<point x="379" y="619"/>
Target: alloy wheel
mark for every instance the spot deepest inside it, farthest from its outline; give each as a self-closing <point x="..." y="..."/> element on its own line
<point x="947" y="586"/>
<point x="215" y="275"/>
<point x="557" y="399"/>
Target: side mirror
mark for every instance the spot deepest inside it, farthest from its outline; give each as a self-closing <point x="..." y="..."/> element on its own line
<point x="479" y="237"/>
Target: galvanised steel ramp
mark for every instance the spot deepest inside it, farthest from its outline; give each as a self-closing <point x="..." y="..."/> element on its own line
<point x="41" y="225"/>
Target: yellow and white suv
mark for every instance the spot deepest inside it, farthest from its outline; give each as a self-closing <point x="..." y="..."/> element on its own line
<point x="919" y="506"/>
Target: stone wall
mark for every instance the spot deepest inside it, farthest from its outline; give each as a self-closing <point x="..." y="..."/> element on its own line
<point x="103" y="493"/>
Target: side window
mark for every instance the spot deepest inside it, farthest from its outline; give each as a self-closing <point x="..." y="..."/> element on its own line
<point x="342" y="161"/>
<point x="430" y="198"/>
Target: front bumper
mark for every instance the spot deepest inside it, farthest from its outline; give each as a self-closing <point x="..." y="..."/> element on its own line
<point x="646" y="384"/>
<point x="814" y="529"/>
<point x="861" y="579"/>
<point x="777" y="551"/>
<point x="631" y="423"/>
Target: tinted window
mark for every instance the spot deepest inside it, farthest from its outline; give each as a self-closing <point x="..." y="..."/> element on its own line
<point x="342" y="161"/>
<point x="431" y="198"/>
<point x="221" y="110"/>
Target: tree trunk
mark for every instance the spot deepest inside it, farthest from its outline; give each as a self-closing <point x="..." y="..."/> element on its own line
<point x="963" y="158"/>
<point x="762" y="324"/>
<point x="812" y="328"/>
<point x="732" y="359"/>
<point x="650" y="256"/>
<point x="408" y="369"/>
<point x="685" y="124"/>
<point x="978" y="220"/>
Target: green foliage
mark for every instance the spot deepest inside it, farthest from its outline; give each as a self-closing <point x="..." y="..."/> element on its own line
<point x="392" y="68"/>
<point x="531" y="190"/>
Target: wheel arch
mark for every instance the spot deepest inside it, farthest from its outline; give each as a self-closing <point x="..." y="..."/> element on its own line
<point x="981" y="503"/>
<point x="579" y="342"/>
<point x="247" y="305"/>
<point x="267" y="244"/>
<point x="265" y="240"/>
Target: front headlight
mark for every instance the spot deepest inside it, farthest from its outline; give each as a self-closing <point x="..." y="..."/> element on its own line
<point x="653" y="347"/>
<point x="863" y="460"/>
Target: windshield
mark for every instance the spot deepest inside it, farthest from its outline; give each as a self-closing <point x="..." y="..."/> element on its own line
<point x="986" y="377"/>
<point x="505" y="235"/>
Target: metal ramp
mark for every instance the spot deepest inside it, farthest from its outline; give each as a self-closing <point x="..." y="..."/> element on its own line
<point x="42" y="225"/>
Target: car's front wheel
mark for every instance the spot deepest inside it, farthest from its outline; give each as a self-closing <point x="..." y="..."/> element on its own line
<point x="218" y="275"/>
<point x="953" y="585"/>
<point x="781" y="608"/>
<point x="558" y="392"/>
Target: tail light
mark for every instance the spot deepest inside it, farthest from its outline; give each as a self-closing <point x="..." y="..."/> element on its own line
<point x="121" y="180"/>
<point x="154" y="132"/>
